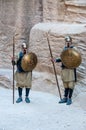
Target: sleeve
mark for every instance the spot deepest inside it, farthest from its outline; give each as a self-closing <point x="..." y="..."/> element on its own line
<point x="75" y="48"/>
<point x="58" y="60"/>
<point x="19" y="56"/>
<point x="16" y="58"/>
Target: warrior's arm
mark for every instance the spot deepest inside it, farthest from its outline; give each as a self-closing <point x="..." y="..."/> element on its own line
<point x="58" y="60"/>
<point x="13" y="62"/>
<point x="15" y="59"/>
<point x="75" y="48"/>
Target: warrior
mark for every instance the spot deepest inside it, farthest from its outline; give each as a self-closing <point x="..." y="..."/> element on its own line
<point x="23" y="78"/>
<point x="68" y="75"/>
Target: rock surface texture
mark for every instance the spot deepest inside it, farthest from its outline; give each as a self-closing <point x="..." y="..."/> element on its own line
<point x="56" y="33"/>
<point x="31" y="20"/>
<point x="16" y="19"/>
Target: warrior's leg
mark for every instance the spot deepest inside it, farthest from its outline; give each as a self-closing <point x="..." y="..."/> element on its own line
<point x="27" y="94"/>
<point x="64" y="100"/>
<point x="71" y="87"/>
<point x="20" y="95"/>
<point x="70" y="92"/>
<point x="20" y="91"/>
<point x="66" y="92"/>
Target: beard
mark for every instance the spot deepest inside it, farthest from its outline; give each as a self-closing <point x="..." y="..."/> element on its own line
<point x="68" y="44"/>
<point x="25" y="51"/>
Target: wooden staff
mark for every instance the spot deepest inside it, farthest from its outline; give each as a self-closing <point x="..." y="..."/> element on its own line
<point x="54" y="68"/>
<point x="13" y="67"/>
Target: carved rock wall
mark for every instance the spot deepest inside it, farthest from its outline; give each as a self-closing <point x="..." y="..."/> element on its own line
<point x="61" y="18"/>
<point x="64" y="10"/>
<point x="16" y="19"/>
<point x="75" y="11"/>
<point x="57" y="32"/>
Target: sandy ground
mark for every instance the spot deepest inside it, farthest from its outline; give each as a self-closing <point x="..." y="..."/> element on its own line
<point x="43" y="113"/>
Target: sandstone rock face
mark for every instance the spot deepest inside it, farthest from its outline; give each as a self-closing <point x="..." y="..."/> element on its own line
<point x="59" y="17"/>
<point x="56" y="33"/>
<point x="64" y="10"/>
<point x="16" y="19"/>
<point x="75" y="11"/>
<point x="50" y="12"/>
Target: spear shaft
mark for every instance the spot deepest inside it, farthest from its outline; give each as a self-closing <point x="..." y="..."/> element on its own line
<point x="13" y="67"/>
<point x="54" y="68"/>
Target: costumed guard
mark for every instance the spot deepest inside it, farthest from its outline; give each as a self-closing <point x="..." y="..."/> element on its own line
<point x="23" y="75"/>
<point x="68" y="73"/>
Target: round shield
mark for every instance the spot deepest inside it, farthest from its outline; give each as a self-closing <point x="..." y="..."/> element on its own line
<point x="29" y="61"/>
<point x="71" y="58"/>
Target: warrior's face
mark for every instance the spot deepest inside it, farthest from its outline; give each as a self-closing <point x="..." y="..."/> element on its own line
<point x="68" y="43"/>
<point x="24" y="50"/>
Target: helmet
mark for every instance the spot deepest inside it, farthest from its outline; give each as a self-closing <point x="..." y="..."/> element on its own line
<point x="24" y="45"/>
<point x="68" y="39"/>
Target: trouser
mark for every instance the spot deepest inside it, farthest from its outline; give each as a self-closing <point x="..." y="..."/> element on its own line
<point x="68" y="92"/>
<point x="69" y="86"/>
<point x="20" y="91"/>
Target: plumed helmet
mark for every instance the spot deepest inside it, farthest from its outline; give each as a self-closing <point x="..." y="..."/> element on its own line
<point x="24" y="45"/>
<point x="68" y="39"/>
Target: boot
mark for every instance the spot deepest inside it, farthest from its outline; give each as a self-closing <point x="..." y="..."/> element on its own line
<point x="69" y="101"/>
<point x="20" y="95"/>
<point x="27" y="100"/>
<point x="64" y="100"/>
<point x="66" y="92"/>
<point x="19" y="100"/>
<point x="20" y="91"/>
<point x="27" y="94"/>
<point x="70" y="92"/>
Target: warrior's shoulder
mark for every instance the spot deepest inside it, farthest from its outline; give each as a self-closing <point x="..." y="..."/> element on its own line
<point x="20" y="54"/>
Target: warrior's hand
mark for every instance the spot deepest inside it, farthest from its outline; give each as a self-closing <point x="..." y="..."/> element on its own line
<point x="53" y="60"/>
<point x="13" y="61"/>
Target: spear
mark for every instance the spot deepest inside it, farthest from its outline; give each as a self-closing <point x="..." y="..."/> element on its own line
<point x="13" y="67"/>
<point x="54" y="67"/>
